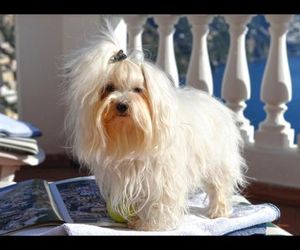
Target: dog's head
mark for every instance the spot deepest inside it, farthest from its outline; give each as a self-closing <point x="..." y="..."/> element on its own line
<point x="119" y="106"/>
<point x="124" y="110"/>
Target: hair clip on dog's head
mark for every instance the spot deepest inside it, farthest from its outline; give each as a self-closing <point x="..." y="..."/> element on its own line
<point x="118" y="57"/>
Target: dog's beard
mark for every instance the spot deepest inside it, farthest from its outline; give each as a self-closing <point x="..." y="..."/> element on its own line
<point x="129" y="134"/>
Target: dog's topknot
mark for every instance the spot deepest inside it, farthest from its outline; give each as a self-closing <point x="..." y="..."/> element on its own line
<point x="118" y="57"/>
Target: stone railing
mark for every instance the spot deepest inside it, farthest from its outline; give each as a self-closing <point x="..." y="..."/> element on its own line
<point x="271" y="153"/>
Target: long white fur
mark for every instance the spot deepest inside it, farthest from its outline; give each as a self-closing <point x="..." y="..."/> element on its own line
<point x="184" y="139"/>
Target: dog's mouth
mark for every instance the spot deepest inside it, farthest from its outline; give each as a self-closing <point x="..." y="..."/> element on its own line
<point x="117" y="118"/>
<point x="123" y="115"/>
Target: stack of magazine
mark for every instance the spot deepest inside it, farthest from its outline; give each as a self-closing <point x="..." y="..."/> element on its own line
<point x="18" y="137"/>
<point x="18" y="145"/>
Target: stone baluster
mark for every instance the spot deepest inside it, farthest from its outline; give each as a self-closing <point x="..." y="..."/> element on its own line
<point x="276" y="90"/>
<point x="199" y="71"/>
<point x="236" y="82"/>
<point x="165" y="55"/>
<point x="135" y="30"/>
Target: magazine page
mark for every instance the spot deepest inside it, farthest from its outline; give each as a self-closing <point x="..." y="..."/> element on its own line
<point x="79" y="201"/>
<point x="27" y="204"/>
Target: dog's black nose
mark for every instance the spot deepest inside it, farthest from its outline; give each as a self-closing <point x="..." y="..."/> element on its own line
<point x="122" y="107"/>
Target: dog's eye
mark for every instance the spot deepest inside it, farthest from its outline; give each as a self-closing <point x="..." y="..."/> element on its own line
<point x="109" y="88"/>
<point x="137" y="90"/>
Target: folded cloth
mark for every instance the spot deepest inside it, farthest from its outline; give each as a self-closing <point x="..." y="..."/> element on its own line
<point x="259" y="229"/>
<point x="244" y="218"/>
<point x="11" y="127"/>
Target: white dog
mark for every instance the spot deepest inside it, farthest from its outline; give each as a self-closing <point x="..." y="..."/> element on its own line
<point x="149" y="144"/>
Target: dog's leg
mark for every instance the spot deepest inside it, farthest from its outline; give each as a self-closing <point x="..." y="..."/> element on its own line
<point x="160" y="216"/>
<point x="218" y="202"/>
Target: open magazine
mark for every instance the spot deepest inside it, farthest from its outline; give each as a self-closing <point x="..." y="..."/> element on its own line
<point x="37" y="203"/>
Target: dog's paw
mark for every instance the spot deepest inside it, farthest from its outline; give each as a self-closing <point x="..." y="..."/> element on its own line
<point x="217" y="211"/>
<point x="139" y="225"/>
<point x="133" y="223"/>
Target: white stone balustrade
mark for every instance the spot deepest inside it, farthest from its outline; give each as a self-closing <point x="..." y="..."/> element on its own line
<point x="272" y="158"/>
<point x="271" y="155"/>
<point x="236" y="81"/>
<point x="199" y="71"/>
<point x="274" y="131"/>
<point x="165" y="54"/>
<point x="276" y="90"/>
<point x="135" y="30"/>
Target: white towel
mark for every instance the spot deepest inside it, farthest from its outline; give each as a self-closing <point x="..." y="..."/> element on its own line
<point x="243" y="215"/>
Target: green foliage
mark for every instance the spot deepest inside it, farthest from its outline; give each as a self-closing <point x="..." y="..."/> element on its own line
<point x="218" y="41"/>
<point x="7" y="49"/>
<point x="150" y="40"/>
<point x="7" y="30"/>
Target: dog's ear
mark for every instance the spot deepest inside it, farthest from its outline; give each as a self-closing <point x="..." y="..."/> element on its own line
<point x="162" y="99"/>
